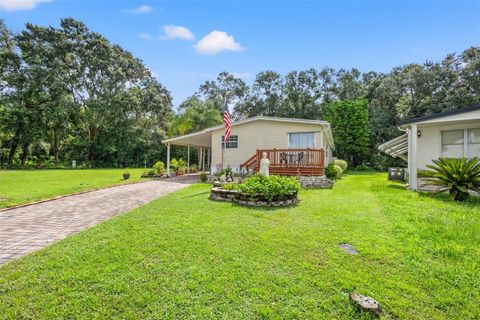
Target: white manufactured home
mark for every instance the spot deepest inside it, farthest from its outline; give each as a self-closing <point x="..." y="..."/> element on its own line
<point x="293" y="146"/>
<point x="453" y="134"/>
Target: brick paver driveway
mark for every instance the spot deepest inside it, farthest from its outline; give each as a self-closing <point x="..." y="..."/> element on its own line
<point x="25" y="229"/>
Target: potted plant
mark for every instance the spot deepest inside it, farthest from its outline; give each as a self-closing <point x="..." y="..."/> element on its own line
<point x="126" y="174"/>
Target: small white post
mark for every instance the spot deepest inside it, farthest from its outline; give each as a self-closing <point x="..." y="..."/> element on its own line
<point x="208" y="160"/>
<point x="412" y="157"/>
<point x="188" y="158"/>
<point x="168" y="159"/>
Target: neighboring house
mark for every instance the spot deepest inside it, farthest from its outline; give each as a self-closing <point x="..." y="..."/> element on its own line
<point x="453" y="134"/>
<point x="293" y="146"/>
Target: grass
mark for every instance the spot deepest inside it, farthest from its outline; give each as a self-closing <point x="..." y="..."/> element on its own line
<point x="184" y="256"/>
<point x="24" y="186"/>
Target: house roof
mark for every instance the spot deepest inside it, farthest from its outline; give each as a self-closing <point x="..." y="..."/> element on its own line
<point x="440" y="115"/>
<point x="203" y="138"/>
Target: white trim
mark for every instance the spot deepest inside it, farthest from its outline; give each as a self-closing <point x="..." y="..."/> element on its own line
<point x="465" y="141"/>
<point x="222" y="139"/>
<point x="300" y="132"/>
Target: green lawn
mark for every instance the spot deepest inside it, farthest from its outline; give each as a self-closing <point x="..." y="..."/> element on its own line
<point x="184" y="256"/>
<point x="23" y="186"/>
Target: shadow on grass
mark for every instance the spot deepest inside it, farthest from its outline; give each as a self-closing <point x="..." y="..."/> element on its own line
<point x="253" y="208"/>
<point x="397" y="186"/>
<point x="197" y="194"/>
<point x="471" y="202"/>
<point x="362" y="173"/>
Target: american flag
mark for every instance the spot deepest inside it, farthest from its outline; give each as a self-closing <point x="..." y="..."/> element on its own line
<point x="227" y="122"/>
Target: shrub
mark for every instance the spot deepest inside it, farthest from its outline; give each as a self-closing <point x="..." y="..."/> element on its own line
<point x="457" y="176"/>
<point x="151" y="172"/>
<point x="271" y="188"/>
<point x="227" y="172"/>
<point x="333" y="171"/>
<point x="230" y="186"/>
<point x="181" y="170"/>
<point x="193" y="168"/>
<point x="342" y="164"/>
<point x="363" y="167"/>
<point x="159" y="167"/>
<point x="203" y="177"/>
<point x="175" y="164"/>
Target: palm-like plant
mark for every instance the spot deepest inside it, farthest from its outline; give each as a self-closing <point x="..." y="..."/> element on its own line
<point x="457" y="176"/>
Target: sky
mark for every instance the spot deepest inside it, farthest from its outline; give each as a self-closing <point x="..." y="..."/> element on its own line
<point x="185" y="43"/>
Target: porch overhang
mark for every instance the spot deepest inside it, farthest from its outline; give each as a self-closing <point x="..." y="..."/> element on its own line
<point x="201" y="139"/>
<point x="397" y="147"/>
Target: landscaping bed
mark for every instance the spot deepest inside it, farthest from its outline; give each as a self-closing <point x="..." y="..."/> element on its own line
<point x="219" y="194"/>
<point x="258" y="191"/>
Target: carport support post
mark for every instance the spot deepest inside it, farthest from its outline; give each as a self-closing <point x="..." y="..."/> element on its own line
<point x="412" y="157"/>
<point x="208" y="160"/>
<point x="168" y="159"/>
<point x="188" y="158"/>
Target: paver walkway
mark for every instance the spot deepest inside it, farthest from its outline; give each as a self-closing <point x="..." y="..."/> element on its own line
<point x="25" y="229"/>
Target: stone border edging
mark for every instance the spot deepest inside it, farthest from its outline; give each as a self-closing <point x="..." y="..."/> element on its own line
<point x="69" y="195"/>
<point x="218" y="194"/>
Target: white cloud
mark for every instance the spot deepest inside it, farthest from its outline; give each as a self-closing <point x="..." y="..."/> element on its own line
<point x="142" y="9"/>
<point x="176" y="32"/>
<point x="144" y="36"/>
<point x="217" y="41"/>
<point x="13" y="5"/>
<point x="242" y="75"/>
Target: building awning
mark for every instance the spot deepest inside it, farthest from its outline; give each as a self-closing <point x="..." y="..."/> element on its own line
<point x="198" y="139"/>
<point x="397" y="148"/>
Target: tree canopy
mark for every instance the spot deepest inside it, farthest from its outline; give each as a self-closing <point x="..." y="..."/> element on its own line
<point x="68" y="93"/>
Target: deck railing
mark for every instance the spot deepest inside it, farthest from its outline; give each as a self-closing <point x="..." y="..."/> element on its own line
<point x="289" y="161"/>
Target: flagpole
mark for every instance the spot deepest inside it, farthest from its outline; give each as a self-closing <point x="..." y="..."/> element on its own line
<point x="223" y="153"/>
<point x="224" y="144"/>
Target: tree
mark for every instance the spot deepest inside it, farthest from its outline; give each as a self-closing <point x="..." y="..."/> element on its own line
<point x="227" y="87"/>
<point x="196" y="115"/>
<point x="349" y="120"/>
<point x="70" y="89"/>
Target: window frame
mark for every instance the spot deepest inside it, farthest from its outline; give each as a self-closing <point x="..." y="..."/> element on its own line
<point x="302" y="132"/>
<point x="467" y="131"/>
<point x="465" y="141"/>
<point x="228" y="145"/>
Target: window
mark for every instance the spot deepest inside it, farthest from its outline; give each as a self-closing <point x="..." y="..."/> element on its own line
<point x="473" y="143"/>
<point x="452" y="144"/>
<point x="232" y="143"/>
<point x="461" y="143"/>
<point x="301" y="140"/>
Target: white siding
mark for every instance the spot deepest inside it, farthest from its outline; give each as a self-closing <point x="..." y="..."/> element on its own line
<point x="429" y="145"/>
<point x="261" y="134"/>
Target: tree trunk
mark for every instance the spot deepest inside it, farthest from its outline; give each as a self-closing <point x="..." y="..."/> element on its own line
<point x="13" y="149"/>
<point x="56" y="145"/>
<point x="24" y="154"/>
<point x="14" y="146"/>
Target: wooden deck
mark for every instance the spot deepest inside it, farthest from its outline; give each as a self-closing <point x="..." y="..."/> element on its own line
<point x="289" y="162"/>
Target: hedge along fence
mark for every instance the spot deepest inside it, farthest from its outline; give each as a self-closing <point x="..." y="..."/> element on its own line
<point x="237" y="196"/>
